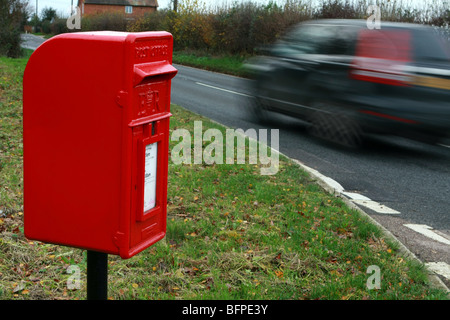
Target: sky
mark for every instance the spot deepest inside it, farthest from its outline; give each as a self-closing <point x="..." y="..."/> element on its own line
<point x="63" y="6"/>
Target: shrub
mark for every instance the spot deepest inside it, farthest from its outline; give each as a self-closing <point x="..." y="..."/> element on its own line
<point x="336" y="9"/>
<point x="46" y="26"/>
<point x="12" y="17"/>
<point x="59" y="26"/>
<point x="105" y="21"/>
<point x="154" y="21"/>
<point x="241" y="28"/>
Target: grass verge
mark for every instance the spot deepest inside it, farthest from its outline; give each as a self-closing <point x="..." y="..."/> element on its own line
<point x="219" y="63"/>
<point x="232" y="233"/>
<point x="11" y="147"/>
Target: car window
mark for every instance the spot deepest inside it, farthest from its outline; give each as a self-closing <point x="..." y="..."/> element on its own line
<point x="430" y="46"/>
<point x="308" y="39"/>
<point x="317" y="39"/>
<point x="343" y="42"/>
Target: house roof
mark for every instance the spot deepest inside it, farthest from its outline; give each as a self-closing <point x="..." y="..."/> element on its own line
<point x="135" y="3"/>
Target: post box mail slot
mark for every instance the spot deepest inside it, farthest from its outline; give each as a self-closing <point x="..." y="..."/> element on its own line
<point x="96" y="109"/>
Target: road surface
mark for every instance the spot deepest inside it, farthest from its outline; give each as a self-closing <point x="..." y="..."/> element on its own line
<point x="30" y="41"/>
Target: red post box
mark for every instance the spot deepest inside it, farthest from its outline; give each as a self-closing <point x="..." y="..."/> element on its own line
<point x="96" y="110"/>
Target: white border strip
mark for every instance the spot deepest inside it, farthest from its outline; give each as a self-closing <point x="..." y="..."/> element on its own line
<point x="356" y="198"/>
<point x="428" y="232"/>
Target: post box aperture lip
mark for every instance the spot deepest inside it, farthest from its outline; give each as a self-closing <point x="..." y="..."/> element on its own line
<point x="153" y="71"/>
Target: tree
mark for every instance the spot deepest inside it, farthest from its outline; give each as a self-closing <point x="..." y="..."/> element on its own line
<point x="13" y="15"/>
<point x="48" y="17"/>
<point x="48" y="14"/>
<point x="175" y="5"/>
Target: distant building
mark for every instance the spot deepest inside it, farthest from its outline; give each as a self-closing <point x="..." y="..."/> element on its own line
<point x="133" y="8"/>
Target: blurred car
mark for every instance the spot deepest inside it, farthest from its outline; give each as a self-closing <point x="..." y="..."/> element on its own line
<point x="347" y="80"/>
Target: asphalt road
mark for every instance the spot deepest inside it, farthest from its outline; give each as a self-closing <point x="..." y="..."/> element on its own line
<point x="30" y="41"/>
<point x="409" y="177"/>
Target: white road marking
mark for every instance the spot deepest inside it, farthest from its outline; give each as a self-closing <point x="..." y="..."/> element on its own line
<point x="359" y="199"/>
<point x="441" y="268"/>
<point x="375" y="206"/>
<point x="356" y="198"/>
<point x="427" y="231"/>
<point x="443" y="145"/>
<point x="221" y="89"/>
<point x="330" y="182"/>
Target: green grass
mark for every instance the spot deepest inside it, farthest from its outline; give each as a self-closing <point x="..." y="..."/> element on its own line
<point x="232" y="233"/>
<point x="11" y="146"/>
<point x="229" y="64"/>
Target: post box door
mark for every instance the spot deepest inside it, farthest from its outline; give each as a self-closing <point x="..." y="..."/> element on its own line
<point x="145" y="99"/>
<point x="149" y="182"/>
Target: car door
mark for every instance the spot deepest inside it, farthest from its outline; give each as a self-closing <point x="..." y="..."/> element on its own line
<point x="297" y="59"/>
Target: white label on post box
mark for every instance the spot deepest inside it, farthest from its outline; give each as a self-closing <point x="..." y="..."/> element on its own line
<point x="151" y="152"/>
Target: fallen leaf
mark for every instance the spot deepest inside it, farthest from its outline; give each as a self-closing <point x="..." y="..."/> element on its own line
<point x="19" y="287"/>
<point x="279" y="273"/>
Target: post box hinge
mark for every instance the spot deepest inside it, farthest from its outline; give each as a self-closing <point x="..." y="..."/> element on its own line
<point x="121" y="98"/>
<point x="119" y="239"/>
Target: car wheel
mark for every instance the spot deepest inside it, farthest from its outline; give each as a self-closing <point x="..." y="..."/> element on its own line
<point x="258" y="109"/>
<point x="334" y="124"/>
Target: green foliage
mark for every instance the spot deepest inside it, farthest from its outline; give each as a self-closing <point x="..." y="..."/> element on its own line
<point x="230" y="64"/>
<point x="243" y="28"/>
<point x="48" y="14"/>
<point x="13" y="13"/>
<point x="105" y="21"/>
<point x="58" y="26"/>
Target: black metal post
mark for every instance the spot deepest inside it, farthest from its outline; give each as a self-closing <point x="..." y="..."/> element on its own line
<point x="97" y="275"/>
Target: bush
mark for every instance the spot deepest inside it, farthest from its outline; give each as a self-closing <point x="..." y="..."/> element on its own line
<point x="46" y="26"/>
<point x="113" y="21"/>
<point x="237" y="29"/>
<point x="10" y="42"/>
<point x="12" y="17"/>
<point x="336" y="9"/>
<point x="154" y="21"/>
<point x="243" y="28"/>
<point x="59" y="26"/>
